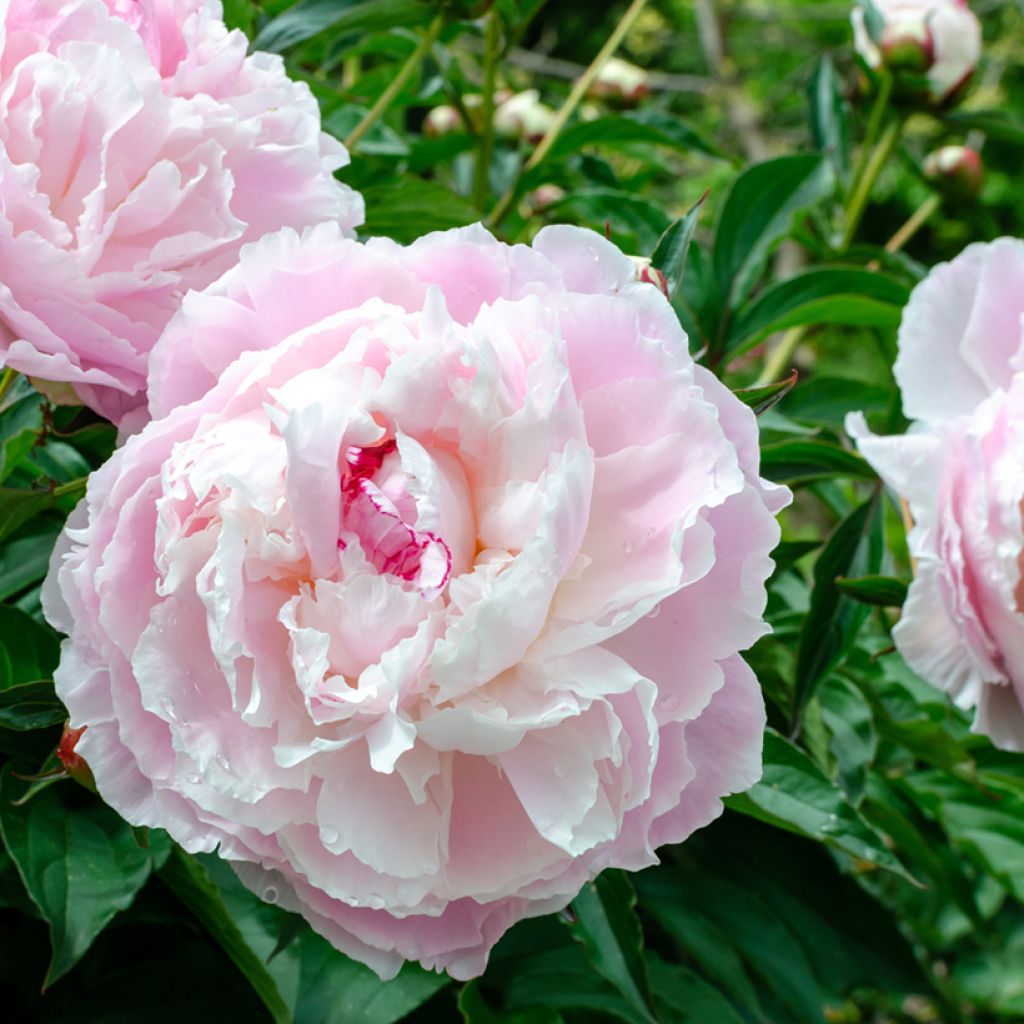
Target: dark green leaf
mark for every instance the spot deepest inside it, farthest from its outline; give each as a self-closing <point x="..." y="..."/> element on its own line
<point x="880" y="590"/>
<point x="622" y="130"/>
<point x="30" y="706"/>
<point x="607" y="925"/>
<point x="26" y="555"/>
<point x="311" y="17"/>
<point x="846" y="296"/>
<point x="190" y="882"/>
<point x="829" y="112"/>
<point x="833" y="620"/>
<point x="18" y="506"/>
<point x="758" y="212"/>
<point x="761" y="399"/>
<point x="669" y="254"/>
<point x="996" y="124"/>
<point x="407" y="210"/>
<point x="684" y="997"/>
<point x="626" y="212"/>
<point x="79" y="866"/>
<point x="797" y="460"/>
<point x="847" y="715"/>
<point x="21" y="420"/>
<point x="28" y="651"/>
<point x="795" y="795"/>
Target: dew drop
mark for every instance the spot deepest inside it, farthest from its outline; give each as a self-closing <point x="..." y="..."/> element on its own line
<point x="628" y="547"/>
<point x="270" y="894"/>
<point x="561" y="771"/>
<point x="329" y="835"/>
<point x="668" y="703"/>
<point x="654" y="612"/>
<point x="223" y="762"/>
<point x="167" y="705"/>
<point x="193" y="778"/>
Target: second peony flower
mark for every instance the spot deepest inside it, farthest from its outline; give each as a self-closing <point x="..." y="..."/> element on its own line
<point x="421" y="596"/>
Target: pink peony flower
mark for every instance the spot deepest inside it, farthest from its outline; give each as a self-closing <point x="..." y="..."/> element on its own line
<point x="421" y="595"/>
<point x="940" y="39"/>
<point x="960" y="468"/>
<point x="139" y="149"/>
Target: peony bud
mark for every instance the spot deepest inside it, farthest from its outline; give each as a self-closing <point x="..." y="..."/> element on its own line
<point x="73" y="762"/>
<point x="541" y="198"/>
<point x="650" y="274"/>
<point x="443" y="120"/>
<point x="524" y="116"/>
<point x="955" y="170"/>
<point x="930" y="46"/>
<point x="620" y="82"/>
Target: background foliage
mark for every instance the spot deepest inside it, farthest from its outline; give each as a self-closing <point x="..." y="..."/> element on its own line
<point x="877" y="871"/>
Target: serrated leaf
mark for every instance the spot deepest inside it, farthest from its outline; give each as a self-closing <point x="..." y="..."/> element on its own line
<point x="669" y="254"/>
<point x="607" y="925"/>
<point x="80" y="867"/>
<point x="795" y="795"/>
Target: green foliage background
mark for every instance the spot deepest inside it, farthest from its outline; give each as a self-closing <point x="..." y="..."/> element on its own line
<point x="877" y="871"/>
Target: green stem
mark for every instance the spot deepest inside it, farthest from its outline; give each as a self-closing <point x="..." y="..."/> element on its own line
<point x="778" y="361"/>
<point x="572" y="101"/>
<point x="875" y="119"/>
<point x="387" y="97"/>
<point x="913" y="224"/>
<point x="862" y="189"/>
<point x="71" y="487"/>
<point x="10" y="375"/>
<point x="492" y="47"/>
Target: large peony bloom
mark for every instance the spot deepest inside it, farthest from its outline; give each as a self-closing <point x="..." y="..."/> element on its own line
<point x="961" y="470"/>
<point x="939" y="39"/>
<point x="139" y="149"/>
<point x="426" y="610"/>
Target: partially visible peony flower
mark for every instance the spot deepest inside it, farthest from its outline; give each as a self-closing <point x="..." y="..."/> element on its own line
<point x="955" y="170"/>
<point x="139" y="149"/>
<point x="523" y="116"/>
<point x="421" y="597"/>
<point x="960" y="468"/>
<point x="620" y="82"/>
<point x="932" y="46"/>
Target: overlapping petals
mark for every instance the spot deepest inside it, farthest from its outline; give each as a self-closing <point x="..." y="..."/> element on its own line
<point x="139" y="149"/>
<point x="960" y="469"/>
<point x="422" y="594"/>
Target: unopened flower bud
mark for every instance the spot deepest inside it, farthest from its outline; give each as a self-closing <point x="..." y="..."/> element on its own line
<point x="524" y="116"/>
<point x="73" y="762"/>
<point x="906" y="43"/>
<point x="620" y="82"/>
<point x="955" y="170"/>
<point x="440" y="121"/>
<point x="649" y="274"/>
<point x="541" y="198"/>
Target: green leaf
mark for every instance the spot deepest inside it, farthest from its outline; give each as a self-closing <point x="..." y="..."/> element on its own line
<point x="829" y="116"/>
<point x="833" y="620"/>
<point x="758" y="212"/>
<point x="626" y="212"/>
<point x="311" y="17"/>
<point x="995" y="124"/>
<point x="190" y="882"/>
<point x="29" y="651"/>
<point x="846" y="296"/>
<point x="761" y="399"/>
<point x="828" y="399"/>
<point x="885" y="591"/>
<point x="18" y="506"/>
<point x="607" y="925"/>
<point x="847" y="715"/>
<point x="684" y="997"/>
<point x="25" y="557"/>
<point x="669" y="254"/>
<point x="21" y="420"/>
<point x="619" y="131"/>
<point x="30" y="706"/>
<point x="80" y="867"/>
<point x="798" y="460"/>
<point x="795" y="795"/>
<point x="412" y="208"/>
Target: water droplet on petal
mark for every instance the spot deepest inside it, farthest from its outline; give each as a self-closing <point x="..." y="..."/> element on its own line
<point x="270" y="894"/>
<point x="628" y="547"/>
<point x="668" y="703"/>
<point x="561" y="770"/>
<point x="654" y="612"/>
<point x="193" y="778"/>
<point x="223" y="762"/>
<point x="329" y="835"/>
<point x="650" y="533"/>
<point x="167" y="706"/>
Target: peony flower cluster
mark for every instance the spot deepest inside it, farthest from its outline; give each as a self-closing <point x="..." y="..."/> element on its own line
<point x="139" y="149"/>
<point x="960" y="468"/>
<point x="936" y="43"/>
<point x="421" y="595"/>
